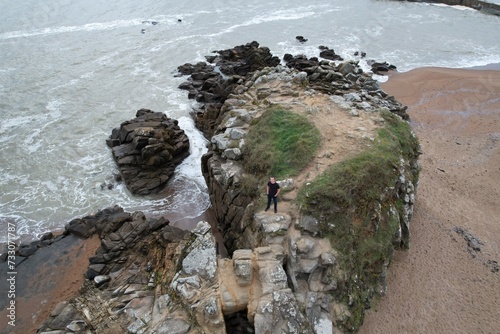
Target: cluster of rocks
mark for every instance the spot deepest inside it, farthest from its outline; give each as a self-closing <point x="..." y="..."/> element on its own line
<point x="348" y="81"/>
<point x="147" y="149"/>
<point x="482" y="6"/>
<point x="118" y="231"/>
<point x="125" y="290"/>
<point x="25" y="250"/>
<point x="474" y="246"/>
<point x="212" y="85"/>
<point x="149" y="277"/>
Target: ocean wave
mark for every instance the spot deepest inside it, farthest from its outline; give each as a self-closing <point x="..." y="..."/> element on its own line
<point x="454" y="7"/>
<point x="69" y="29"/>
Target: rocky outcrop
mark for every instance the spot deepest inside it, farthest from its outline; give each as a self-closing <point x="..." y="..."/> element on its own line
<point x="345" y="79"/>
<point x="147" y="149"/>
<point x="212" y="83"/>
<point x="227" y="121"/>
<point x="482" y="6"/>
<point x="319" y="292"/>
<point x="284" y="273"/>
<point x="143" y="279"/>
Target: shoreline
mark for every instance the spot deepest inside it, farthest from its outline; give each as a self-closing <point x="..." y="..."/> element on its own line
<point x="488" y="67"/>
<point x="437" y="263"/>
<point x="190" y="222"/>
<point x="442" y="284"/>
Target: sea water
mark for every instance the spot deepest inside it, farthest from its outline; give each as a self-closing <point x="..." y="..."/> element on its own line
<point x="71" y="71"/>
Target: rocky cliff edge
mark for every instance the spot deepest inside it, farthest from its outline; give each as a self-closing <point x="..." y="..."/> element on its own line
<point x="288" y="272"/>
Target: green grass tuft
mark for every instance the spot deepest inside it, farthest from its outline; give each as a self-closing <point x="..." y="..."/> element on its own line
<point x="281" y="143"/>
<point x="344" y="199"/>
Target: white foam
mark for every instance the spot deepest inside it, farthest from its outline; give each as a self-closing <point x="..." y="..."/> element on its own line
<point x="454" y="7"/>
<point x="190" y="167"/>
<point x="69" y="29"/>
<point x="280" y="15"/>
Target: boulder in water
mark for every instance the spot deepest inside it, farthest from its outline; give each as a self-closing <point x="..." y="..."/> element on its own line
<point x="147" y="149"/>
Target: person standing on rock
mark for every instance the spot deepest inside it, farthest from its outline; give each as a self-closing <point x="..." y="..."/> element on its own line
<point x="272" y="190"/>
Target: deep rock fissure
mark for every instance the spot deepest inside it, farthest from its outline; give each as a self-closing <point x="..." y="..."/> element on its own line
<point x="238" y="323"/>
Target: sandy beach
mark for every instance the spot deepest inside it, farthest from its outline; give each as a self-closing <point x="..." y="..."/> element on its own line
<point x="448" y="281"/>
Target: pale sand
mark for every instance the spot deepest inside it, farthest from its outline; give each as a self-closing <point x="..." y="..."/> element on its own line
<point x="438" y="286"/>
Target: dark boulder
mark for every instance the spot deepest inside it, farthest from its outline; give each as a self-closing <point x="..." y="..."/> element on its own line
<point x="329" y="54"/>
<point x="147" y="149"/>
<point x="378" y="67"/>
<point x="301" y="63"/>
<point x="301" y="39"/>
<point x="244" y="59"/>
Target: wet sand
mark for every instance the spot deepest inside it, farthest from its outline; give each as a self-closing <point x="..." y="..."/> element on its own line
<point x="441" y="285"/>
<point x="52" y="275"/>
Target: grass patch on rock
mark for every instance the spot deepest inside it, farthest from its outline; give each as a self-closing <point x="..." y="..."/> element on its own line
<point x="280" y="143"/>
<point x="346" y="193"/>
<point x="353" y="200"/>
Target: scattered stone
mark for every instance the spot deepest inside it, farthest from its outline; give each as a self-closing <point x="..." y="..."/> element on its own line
<point x="328" y="53"/>
<point x="473" y="243"/>
<point x="101" y="280"/>
<point x="301" y="39"/>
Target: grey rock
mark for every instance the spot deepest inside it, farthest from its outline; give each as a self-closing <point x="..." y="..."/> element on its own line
<point x="66" y="316"/>
<point x="365" y="106"/>
<point x="236" y="133"/>
<point x="233" y="153"/>
<point x="352" y="97"/>
<point x="101" y="280"/>
<point x="221" y="141"/>
<point x="243" y="271"/>
<point x="309" y="224"/>
<point x="327" y="259"/>
<point x="201" y="258"/>
<point x="77" y="326"/>
<point x="173" y="326"/>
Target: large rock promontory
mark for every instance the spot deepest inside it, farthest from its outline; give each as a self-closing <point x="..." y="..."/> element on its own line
<point x="328" y="283"/>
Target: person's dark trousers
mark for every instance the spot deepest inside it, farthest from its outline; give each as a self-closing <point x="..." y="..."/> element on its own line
<point x="275" y="201"/>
